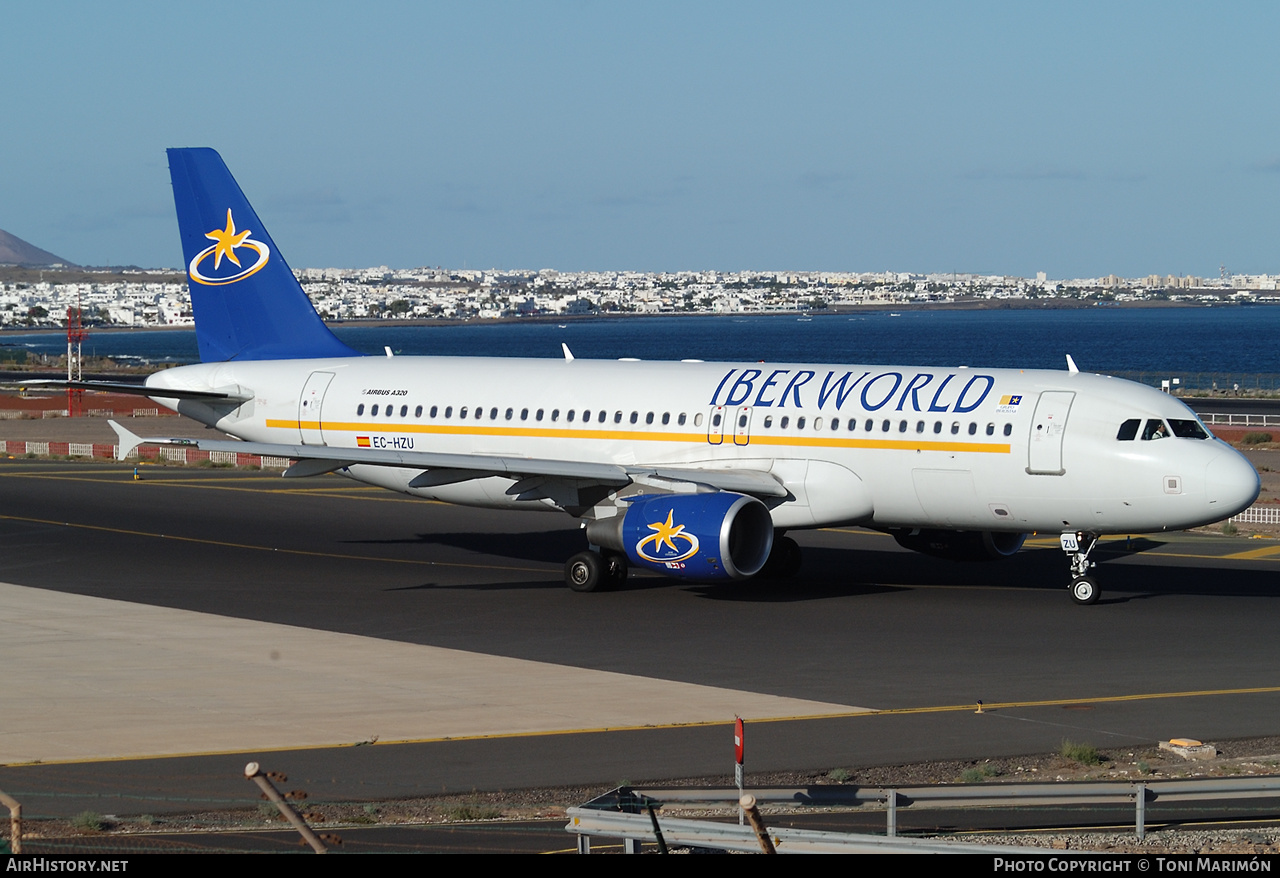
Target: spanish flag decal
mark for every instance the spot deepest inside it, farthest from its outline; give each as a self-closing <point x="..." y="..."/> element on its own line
<point x="362" y="441"/>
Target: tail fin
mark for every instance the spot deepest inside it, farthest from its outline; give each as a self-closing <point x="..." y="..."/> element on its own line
<point x="247" y="303"/>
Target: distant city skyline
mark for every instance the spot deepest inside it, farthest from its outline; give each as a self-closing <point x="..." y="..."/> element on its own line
<point x="992" y="138"/>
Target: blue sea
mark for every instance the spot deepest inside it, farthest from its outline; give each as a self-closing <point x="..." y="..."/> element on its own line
<point x="1172" y="341"/>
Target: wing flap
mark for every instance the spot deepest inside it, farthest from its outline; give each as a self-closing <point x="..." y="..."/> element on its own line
<point x="600" y="473"/>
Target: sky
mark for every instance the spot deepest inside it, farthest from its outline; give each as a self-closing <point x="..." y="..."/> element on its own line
<point x="1078" y="139"/>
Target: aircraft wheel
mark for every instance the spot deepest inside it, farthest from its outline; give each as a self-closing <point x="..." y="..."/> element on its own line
<point x="585" y="571"/>
<point x="1084" y="590"/>
<point x="784" y="559"/>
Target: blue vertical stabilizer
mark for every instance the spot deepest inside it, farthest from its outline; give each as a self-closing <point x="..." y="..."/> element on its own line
<point x="247" y="303"/>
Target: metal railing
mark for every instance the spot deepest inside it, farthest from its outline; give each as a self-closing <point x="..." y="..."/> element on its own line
<point x="624" y="812"/>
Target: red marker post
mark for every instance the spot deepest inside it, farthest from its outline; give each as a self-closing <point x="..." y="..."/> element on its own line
<point x="739" y="745"/>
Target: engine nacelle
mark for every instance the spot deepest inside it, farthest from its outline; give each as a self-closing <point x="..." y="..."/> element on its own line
<point x="961" y="545"/>
<point x="693" y="536"/>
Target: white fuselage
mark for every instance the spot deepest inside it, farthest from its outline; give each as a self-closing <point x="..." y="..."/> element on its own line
<point x="883" y="446"/>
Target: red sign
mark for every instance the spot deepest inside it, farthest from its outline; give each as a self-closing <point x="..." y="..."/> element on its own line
<point x="737" y="739"/>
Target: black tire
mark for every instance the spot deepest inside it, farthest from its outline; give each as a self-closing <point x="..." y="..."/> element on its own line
<point x="784" y="559"/>
<point x="585" y="572"/>
<point x="1084" y="590"/>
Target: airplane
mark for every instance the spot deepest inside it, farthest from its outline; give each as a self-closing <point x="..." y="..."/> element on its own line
<point x="693" y="469"/>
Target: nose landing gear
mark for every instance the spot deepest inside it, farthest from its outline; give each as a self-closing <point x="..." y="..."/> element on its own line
<point x="1084" y="588"/>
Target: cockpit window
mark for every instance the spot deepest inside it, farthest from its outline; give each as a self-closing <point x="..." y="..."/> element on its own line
<point x="1155" y="429"/>
<point x="1188" y="429"/>
<point x="1129" y="429"/>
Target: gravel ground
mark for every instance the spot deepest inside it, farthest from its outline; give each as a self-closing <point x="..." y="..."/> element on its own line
<point x="1250" y="757"/>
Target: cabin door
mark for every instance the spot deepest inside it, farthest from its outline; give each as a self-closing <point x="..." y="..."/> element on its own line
<point x="309" y="424"/>
<point x="1044" y="450"/>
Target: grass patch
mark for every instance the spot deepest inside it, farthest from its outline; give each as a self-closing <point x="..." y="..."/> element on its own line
<point x="979" y="773"/>
<point x="1230" y="529"/>
<point x="89" y="821"/>
<point x="472" y="812"/>
<point x="1085" y="754"/>
<point x="838" y="775"/>
<point x="1256" y="438"/>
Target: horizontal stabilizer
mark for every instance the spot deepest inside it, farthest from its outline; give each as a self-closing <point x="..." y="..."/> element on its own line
<point x="133" y="390"/>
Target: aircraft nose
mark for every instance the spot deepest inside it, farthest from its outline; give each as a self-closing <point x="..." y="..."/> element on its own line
<point x="1232" y="484"/>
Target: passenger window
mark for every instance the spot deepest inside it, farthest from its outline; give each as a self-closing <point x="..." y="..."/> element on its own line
<point x="373" y="412"/>
<point x="493" y="414"/>
<point x="538" y="416"/>
<point x="604" y="416"/>
<point x="783" y="423"/>
<point x="1008" y="429"/>
<point x="480" y="412"/>
<point x="448" y="411"/>
<point x="869" y="425"/>
<point x="697" y="419"/>
<point x="510" y="412"/>
<point x="937" y="426"/>
<point x="955" y="428"/>
<point x="835" y="423"/>
<point x="919" y="426"/>
<point x="434" y="409"/>
<point x="666" y="418"/>
<point x="617" y="417"/>
<point x="817" y="423"/>
<point x="1155" y="429"/>
<point x="799" y="423"/>
<point x="524" y="414"/>
<point x="973" y="429"/>
<point x="768" y="421"/>
<point x="991" y="429"/>
<point x="648" y="419"/>
<point x="635" y="416"/>
<point x="360" y="409"/>
<point x="568" y="416"/>
<point x="884" y="426"/>
<point x="462" y="413"/>
<point x="555" y="414"/>
<point x="391" y="410"/>
<point x="404" y="411"/>
<point x="1129" y="429"/>
<point x="902" y="426"/>
<point x="417" y="412"/>
<point x="680" y="420"/>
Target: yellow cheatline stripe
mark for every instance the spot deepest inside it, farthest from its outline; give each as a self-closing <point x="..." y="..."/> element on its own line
<point x="640" y="436"/>
<point x="851" y="714"/>
<point x="251" y="547"/>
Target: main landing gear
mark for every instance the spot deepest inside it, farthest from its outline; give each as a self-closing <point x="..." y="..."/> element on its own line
<point x="784" y="559"/>
<point x="595" y="571"/>
<point x="1084" y="588"/>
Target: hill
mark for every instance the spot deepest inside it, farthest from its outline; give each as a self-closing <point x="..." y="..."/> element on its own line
<point x="15" y="251"/>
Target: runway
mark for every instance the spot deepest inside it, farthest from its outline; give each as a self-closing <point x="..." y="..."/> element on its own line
<point x="159" y="634"/>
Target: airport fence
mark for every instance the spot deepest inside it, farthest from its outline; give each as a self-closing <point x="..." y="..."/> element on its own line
<point x="1227" y="384"/>
<point x="1258" y="514"/>
<point x="143" y="453"/>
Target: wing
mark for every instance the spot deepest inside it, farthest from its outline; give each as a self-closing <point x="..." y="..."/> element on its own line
<point x="441" y="468"/>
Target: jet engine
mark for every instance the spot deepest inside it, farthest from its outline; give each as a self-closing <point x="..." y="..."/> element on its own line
<point x="692" y="536"/>
<point x="960" y="545"/>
